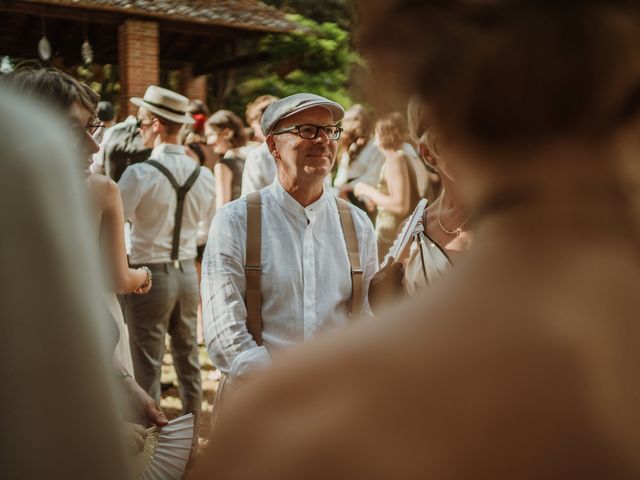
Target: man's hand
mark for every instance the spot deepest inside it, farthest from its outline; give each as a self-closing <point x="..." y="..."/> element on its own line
<point x="144" y="405"/>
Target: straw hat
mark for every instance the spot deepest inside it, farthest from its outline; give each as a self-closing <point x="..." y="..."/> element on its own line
<point x="166" y="104"/>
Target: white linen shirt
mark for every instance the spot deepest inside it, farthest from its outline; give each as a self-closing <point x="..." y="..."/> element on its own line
<point x="305" y="283"/>
<point x="364" y="168"/>
<point x="259" y="169"/>
<point x="150" y="202"/>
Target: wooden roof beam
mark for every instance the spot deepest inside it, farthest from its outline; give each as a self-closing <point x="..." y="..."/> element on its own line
<point x="230" y="64"/>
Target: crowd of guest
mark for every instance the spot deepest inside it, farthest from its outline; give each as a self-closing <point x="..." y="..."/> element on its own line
<point x="312" y="223"/>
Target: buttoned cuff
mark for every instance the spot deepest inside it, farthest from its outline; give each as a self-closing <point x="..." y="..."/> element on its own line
<point x="248" y="361"/>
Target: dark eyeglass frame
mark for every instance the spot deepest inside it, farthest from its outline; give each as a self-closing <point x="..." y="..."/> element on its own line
<point x="91" y="128"/>
<point x="296" y="129"/>
<point x="140" y="123"/>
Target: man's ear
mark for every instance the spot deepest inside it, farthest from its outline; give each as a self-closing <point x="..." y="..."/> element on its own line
<point x="156" y="125"/>
<point x="271" y="143"/>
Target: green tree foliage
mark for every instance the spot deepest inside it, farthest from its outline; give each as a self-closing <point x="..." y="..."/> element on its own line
<point x="339" y="12"/>
<point x="316" y="59"/>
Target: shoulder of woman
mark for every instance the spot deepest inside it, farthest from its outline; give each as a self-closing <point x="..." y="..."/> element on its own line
<point x="102" y="185"/>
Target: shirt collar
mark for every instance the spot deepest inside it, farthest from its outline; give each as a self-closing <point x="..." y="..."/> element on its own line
<point x="283" y="198"/>
<point x="168" y="148"/>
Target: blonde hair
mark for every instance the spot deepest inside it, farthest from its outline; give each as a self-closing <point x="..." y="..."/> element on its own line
<point x="256" y="108"/>
<point x="391" y="130"/>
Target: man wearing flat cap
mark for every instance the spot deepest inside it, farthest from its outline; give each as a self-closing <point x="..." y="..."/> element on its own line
<point x="291" y="260"/>
<point x="170" y="202"/>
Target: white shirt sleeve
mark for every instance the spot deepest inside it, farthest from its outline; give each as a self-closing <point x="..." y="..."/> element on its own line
<point x="374" y="161"/>
<point x="229" y="343"/>
<point x="210" y="208"/>
<point x="259" y="170"/>
<point x="130" y="186"/>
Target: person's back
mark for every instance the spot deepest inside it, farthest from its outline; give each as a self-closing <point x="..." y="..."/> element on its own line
<point x="152" y="227"/>
<point x="531" y="376"/>
<point x="170" y="202"/>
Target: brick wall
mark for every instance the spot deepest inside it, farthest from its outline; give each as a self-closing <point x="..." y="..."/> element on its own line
<point x="194" y="88"/>
<point x="138" y="59"/>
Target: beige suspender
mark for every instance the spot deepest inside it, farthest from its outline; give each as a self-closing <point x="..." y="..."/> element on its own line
<point x="353" y="251"/>
<point x="253" y="264"/>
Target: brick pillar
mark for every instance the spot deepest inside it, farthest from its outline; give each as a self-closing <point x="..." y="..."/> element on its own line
<point x="194" y="88"/>
<point x="138" y="61"/>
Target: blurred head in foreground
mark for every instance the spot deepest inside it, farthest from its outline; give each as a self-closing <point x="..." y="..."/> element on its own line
<point x="523" y="361"/>
<point x="73" y="100"/>
<point x="501" y="77"/>
<point x="57" y="410"/>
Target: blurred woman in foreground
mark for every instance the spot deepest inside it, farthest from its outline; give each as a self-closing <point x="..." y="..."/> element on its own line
<point x="523" y="362"/>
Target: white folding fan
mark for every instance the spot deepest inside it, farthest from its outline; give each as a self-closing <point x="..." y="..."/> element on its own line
<point x="402" y="240"/>
<point x="166" y="450"/>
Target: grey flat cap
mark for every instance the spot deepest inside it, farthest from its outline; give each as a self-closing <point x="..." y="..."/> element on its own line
<point x="297" y="103"/>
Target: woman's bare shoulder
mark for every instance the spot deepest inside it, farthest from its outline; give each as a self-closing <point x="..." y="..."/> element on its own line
<point x="103" y="188"/>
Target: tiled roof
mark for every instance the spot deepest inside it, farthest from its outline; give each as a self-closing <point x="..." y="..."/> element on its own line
<point x="244" y="14"/>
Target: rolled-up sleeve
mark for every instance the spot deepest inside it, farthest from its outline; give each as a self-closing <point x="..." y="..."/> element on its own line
<point x="130" y="185"/>
<point x="230" y="345"/>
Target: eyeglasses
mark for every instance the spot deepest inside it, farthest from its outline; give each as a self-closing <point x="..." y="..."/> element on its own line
<point x="311" y="132"/>
<point x="92" y="128"/>
<point x="140" y="123"/>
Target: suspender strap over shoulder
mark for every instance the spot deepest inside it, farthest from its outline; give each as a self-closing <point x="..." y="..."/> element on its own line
<point x="353" y="251"/>
<point x="181" y="193"/>
<point x="253" y="262"/>
<point x="253" y="266"/>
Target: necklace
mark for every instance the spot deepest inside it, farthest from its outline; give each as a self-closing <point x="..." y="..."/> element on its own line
<point x="456" y="231"/>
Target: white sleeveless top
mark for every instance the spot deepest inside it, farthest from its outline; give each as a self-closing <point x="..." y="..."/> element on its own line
<point x="426" y="261"/>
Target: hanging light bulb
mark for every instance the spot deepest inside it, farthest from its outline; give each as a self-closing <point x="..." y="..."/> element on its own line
<point x="5" y="65"/>
<point x="86" y="52"/>
<point x="44" y="47"/>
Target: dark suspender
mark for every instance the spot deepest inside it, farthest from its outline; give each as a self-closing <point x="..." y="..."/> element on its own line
<point x="181" y="193"/>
